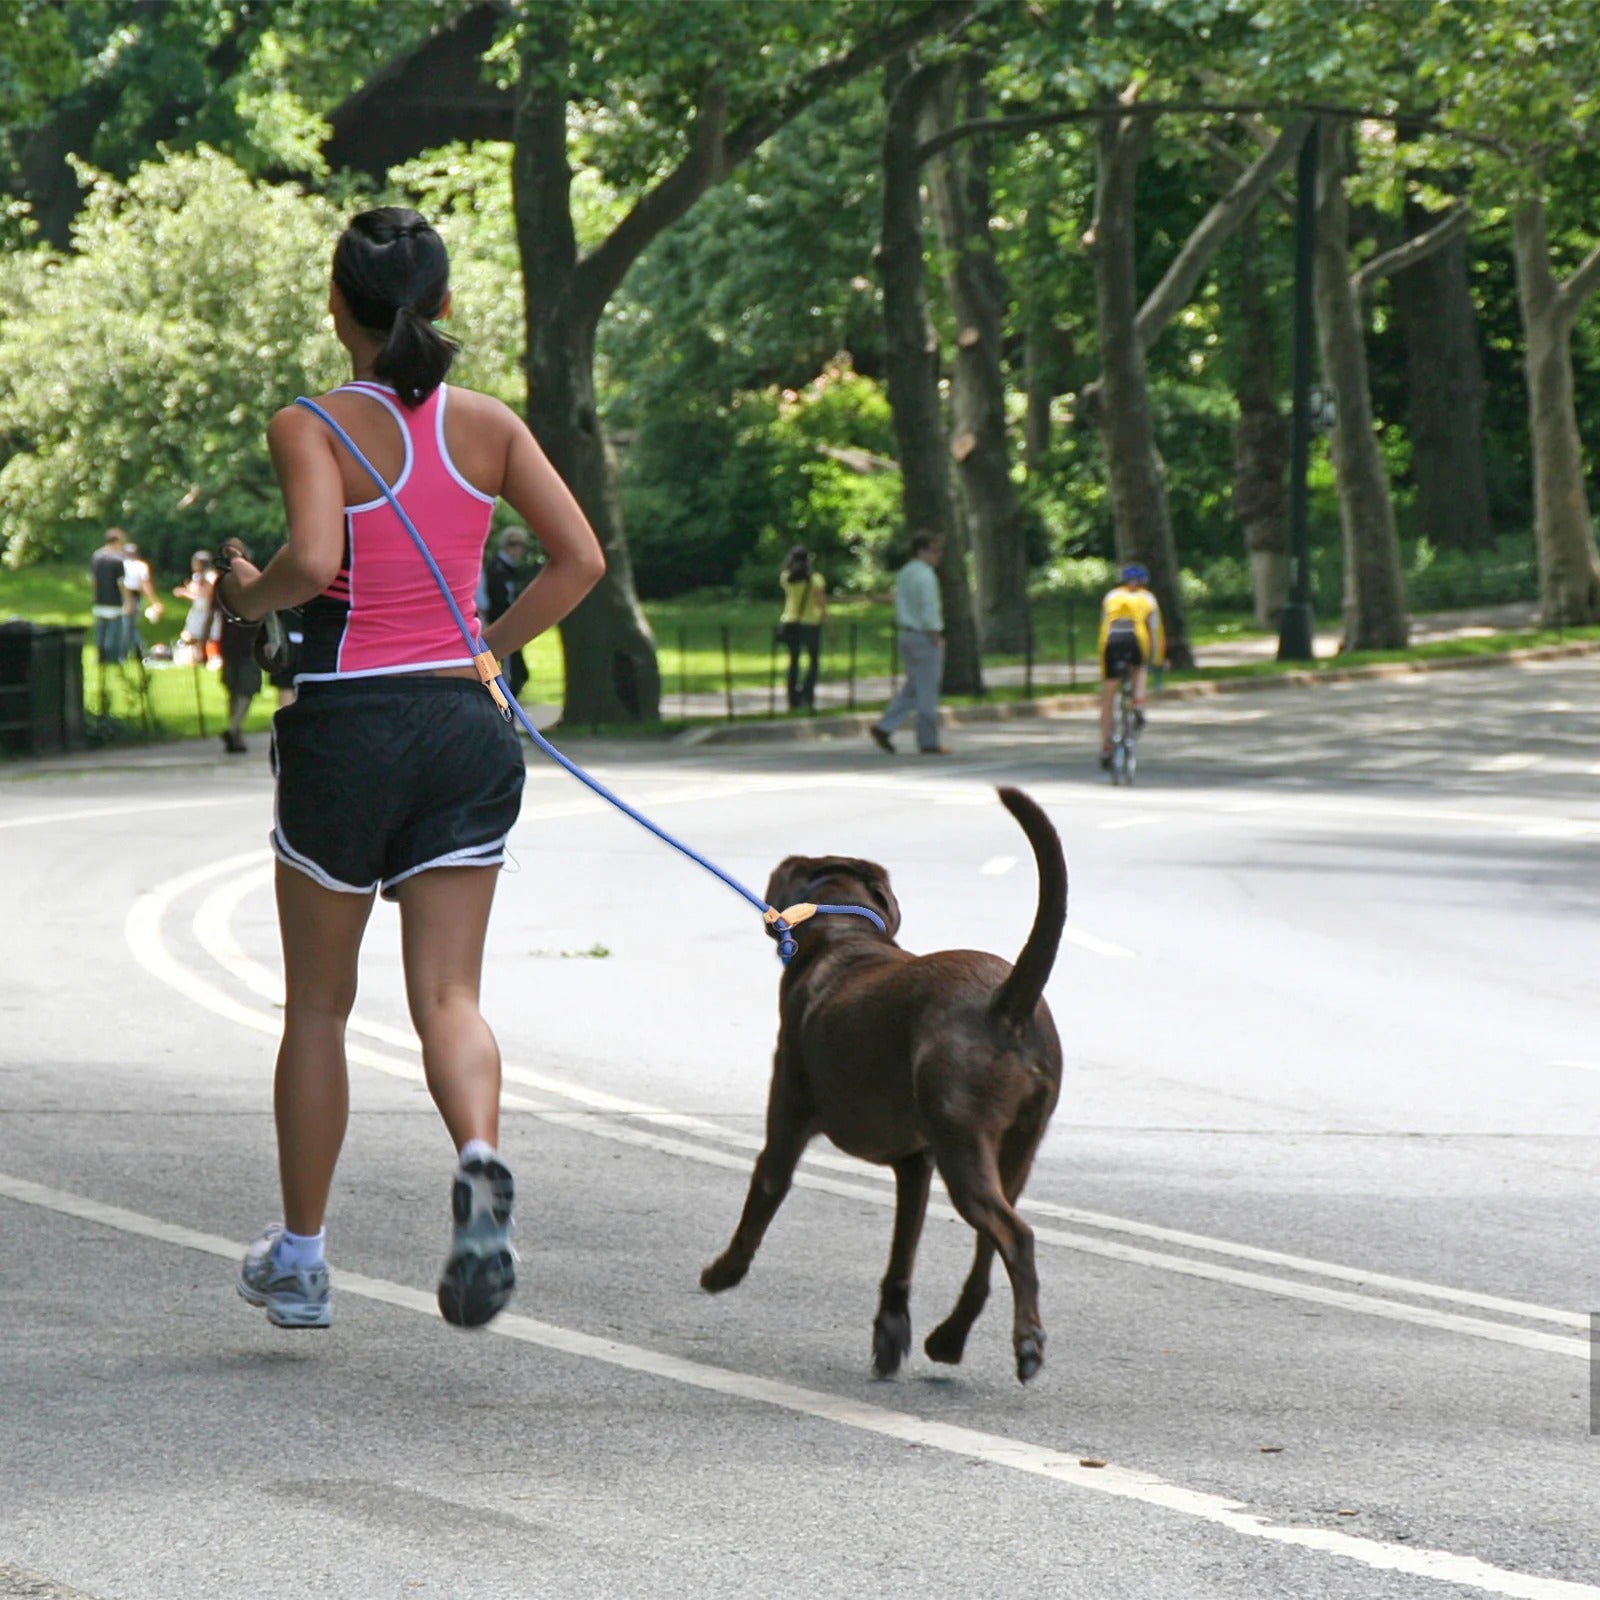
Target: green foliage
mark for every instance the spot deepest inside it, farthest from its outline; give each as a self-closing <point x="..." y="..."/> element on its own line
<point x="37" y="59"/>
<point x="138" y="374"/>
<point x="718" y="494"/>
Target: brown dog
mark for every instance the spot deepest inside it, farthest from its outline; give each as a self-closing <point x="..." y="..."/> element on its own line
<point x="911" y="1062"/>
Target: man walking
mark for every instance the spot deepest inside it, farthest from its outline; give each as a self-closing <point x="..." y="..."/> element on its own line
<point x="919" y="615"/>
<point x="105" y="577"/>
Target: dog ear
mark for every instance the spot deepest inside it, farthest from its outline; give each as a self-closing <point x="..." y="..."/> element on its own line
<point x="874" y="880"/>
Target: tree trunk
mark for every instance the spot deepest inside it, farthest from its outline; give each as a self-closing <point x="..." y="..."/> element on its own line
<point x="1260" y="439"/>
<point x="1374" y="591"/>
<point x="1122" y="405"/>
<point x="606" y="644"/>
<point x="1569" y="567"/>
<point x="959" y="181"/>
<point x="911" y="369"/>
<point x="1445" y="389"/>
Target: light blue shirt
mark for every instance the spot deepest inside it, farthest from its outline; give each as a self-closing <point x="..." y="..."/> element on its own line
<point x="916" y="598"/>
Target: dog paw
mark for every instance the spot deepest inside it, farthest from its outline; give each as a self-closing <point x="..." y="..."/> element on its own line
<point x="946" y="1344"/>
<point x="891" y="1344"/>
<point x="1030" y="1356"/>
<point x="723" y="1274"/>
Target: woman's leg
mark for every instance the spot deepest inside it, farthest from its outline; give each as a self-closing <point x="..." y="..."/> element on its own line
<point x="812" y="638"/>
<point x="322" y="931"/>
<point x="444" y="920"/>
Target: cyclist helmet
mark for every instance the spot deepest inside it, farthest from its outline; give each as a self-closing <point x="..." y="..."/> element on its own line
<point x="1134" y="573"/>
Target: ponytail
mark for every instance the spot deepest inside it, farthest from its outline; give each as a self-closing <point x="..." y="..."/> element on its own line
<point x="394" y="273"/>
<point x="415" y="357"/>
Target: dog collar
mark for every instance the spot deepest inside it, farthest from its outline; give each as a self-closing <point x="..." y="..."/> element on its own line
<point x="783" y="922"/>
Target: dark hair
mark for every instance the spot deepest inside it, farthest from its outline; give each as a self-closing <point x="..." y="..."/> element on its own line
<point x="394" y="274"/>
<point x="797" y="564"/>
<point x="924" y="541"/>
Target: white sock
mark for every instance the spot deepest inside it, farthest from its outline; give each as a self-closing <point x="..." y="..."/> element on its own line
<point x="300" y="1249"/>
<point x="478" y="1150"/>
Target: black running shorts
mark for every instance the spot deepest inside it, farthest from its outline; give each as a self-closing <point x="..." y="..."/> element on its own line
<point x="382" y="778"/>
<point x="1122" y="652"/>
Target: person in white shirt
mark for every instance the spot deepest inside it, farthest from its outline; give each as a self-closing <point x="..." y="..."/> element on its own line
<point x="919" y="615"/>
<point x="137" y="586"/>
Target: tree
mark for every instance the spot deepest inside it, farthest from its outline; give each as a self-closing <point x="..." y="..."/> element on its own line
<point x="911" y="365"/>
<point x="978" y="299"/>
<point x="1120" y="405"/>
<point x="704" y="88"/>
<point x="1374" y="588"/>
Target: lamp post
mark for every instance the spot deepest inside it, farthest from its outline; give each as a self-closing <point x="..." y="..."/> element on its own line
<point x="1296" y="624"/>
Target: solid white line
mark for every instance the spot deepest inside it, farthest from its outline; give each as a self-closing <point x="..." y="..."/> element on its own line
<point x="145" y="935"/>
<point x="1582" y="1066"/>
<point x="45" y="819"/>
<point x="1129" y="822"/>
<point x="997" y="866"/>
<point x="1018" y="1455"/>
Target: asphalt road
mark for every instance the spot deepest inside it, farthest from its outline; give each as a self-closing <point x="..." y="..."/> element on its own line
<point x="1316" y="1216"/>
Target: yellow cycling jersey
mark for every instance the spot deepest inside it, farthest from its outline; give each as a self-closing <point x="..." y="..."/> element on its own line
<point x="1126" y="608"/>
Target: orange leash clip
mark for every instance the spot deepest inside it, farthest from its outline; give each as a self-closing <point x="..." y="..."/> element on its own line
<point x="489" y="671"/>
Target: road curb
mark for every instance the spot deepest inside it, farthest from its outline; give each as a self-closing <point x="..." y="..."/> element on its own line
<point x="1085" y="703"/>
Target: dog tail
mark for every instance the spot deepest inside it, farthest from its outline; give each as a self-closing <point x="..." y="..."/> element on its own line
<point x="1015" y="999"/>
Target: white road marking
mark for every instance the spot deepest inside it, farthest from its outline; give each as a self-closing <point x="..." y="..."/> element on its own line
<point x="1099" y="947"/>
<point x="996" y="866"/>
<point x="1515" y="761"/>
<point x="46" y="819"/>
<point x="1129" y="822"/>
<point x="145" y="936"/>
<point x="1583" y="1066"/>
<point x="1017" y="1455"/>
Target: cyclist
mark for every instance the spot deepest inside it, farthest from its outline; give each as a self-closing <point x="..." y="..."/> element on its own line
<point x="1131" y="636"/>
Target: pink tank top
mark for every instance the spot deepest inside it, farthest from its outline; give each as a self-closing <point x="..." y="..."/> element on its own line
<point x="383" y="613"/>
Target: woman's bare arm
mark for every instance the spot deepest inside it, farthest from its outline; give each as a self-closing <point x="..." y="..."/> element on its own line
<point x="313" y="501"/>
<point x="574" y="561"/>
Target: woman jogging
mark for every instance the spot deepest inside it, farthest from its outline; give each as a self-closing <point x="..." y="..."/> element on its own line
<point x="396" y="772"/>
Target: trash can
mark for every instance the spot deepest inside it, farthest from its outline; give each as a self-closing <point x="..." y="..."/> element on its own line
<point x="41" y="688"/>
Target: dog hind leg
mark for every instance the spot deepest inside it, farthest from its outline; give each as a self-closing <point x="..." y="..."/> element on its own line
<point x="891" y="1329"/>
<point x="970" y="1174"/>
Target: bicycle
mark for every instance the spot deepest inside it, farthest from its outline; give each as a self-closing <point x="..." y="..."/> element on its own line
<point x="1125" y="726"/>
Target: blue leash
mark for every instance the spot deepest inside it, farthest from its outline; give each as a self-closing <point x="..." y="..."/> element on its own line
<point x="781" y="923"/>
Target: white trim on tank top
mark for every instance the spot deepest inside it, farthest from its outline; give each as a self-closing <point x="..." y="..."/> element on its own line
<point x="381" y="392"/>
<point x="444" y="452"/>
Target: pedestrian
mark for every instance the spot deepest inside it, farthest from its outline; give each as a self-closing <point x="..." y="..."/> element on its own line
<point x="138" y="589"/>
<point x="241" y="676"/>
<point x="805" y="609"/>
<point x="196" y="589"/>
<point x="106" y="567"/>
<point x="396" y="772"/>
<point x="502" y="582"/>
<point x="919" y="617"/>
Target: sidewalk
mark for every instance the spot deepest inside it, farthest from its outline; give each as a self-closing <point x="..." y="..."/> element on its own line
<point x="1082" y="674"/>
<point x="753" y="724"/>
